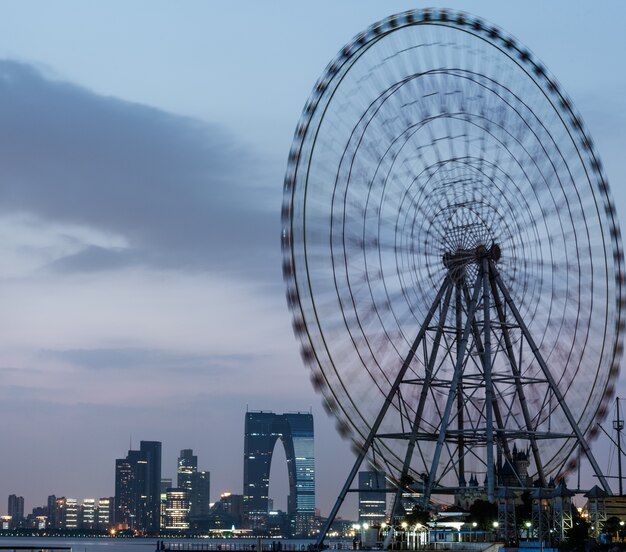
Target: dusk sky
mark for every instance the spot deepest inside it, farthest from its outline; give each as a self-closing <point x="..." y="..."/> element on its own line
<point x="142" y="152"/>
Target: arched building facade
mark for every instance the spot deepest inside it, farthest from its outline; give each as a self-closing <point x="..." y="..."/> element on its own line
<point x="295" y="431"/>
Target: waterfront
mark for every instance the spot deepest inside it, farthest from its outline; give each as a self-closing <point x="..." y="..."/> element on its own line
<point x="149" y="544"/>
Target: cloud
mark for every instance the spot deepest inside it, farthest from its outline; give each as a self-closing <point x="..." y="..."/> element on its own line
<point x="182" y="193"/>
<point x="153" y="360"/>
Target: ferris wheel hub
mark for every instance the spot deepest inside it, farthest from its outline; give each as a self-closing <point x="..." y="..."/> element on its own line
<point x="429" y="145"/>
<point x="461" y="258"/>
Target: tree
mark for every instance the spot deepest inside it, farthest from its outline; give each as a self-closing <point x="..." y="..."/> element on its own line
<point x="523" y="511"/>
<point x="483" y="513"/>
<point x="418" y="515"/>
<point x="575" y="537"/>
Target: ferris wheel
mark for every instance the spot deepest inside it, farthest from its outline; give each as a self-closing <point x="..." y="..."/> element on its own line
<point x="452" y="256"/>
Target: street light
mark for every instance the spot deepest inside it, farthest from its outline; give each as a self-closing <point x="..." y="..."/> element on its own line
<point x="528" y="525"/>
<point x="357" y="535"/>
<point x="404" y="540"/>
<point x="381" y="532"/>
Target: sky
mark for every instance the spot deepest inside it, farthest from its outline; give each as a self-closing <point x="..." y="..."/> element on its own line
<point x="142" y="151"/>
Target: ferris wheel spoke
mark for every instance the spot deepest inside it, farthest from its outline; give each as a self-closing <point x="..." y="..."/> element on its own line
<point x="428" y="146"/>
<point x="552" y="383"/>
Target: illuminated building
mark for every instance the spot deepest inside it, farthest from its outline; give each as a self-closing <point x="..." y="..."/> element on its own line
<point x="262" y="430"/>
<point x="123" y="493"/>
<point x="197" y="483"/>
<point x="137" y="488"/>
<point x="89" y="516"/>
<point x="66" y="513"/>
<point x="187" y="466"/>
<point x="5" y="522"/>
<point x="40" y="522"/>
<point x="16" y="510"/>
<point x="227" y="512"/>
<point x="70" y="518"/>
<point x="104" y="514"/>
<point x="372" y="498"/>
<point x="177" y="509"/>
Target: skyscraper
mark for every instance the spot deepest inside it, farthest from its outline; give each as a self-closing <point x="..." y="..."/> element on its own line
<point x="123" y="494"/>
<point x="196" y="483"/>
<point x="177" y="509"/>
<point x="137" y="488"/>
<point x="16" y="510"/>
<point x="51" y="511"/>
<point x="200" y="497"/>
<point x="187" y="466"/>
<point x="152" y="450"/>
<point x="262" y="430"/>
<point x="372" y="497"/>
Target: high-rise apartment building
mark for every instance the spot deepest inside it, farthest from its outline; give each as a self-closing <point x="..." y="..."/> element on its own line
<point x="66" y="514"/>
<point x="89" y="514"/>
<point x="104" y="515"/>
<point x="51" y="510"/>
<point x="197" y="484"/>
<point x="16" y="510"/>
<point x="123" y="494"/>
<point x="137" y="488"/>
<point x="200" y="497"/>
<point x="187" y="466"/>
<point x="177" y="509"/>
<point x="372" y="497"/>
<point x="295" y="430"/>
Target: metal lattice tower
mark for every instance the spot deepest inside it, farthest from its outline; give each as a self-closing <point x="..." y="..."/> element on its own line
<point x="507" y="522"/>
<point x="596" y="508"/>
<point x="452" y="258"/>
<point x="541" y="515"/>
<point x="563" y="520"/>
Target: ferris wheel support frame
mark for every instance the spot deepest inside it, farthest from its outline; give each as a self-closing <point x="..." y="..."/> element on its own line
<point x="489" y="284"/>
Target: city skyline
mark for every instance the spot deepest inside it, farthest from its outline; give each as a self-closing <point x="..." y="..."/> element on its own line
<point x="144" y="148"/>
<point x="294" y="429"/>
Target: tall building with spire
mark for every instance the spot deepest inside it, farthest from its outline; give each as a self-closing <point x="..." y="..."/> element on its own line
<point x="137" y="488"/>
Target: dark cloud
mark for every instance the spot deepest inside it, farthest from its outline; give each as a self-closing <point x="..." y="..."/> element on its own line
<point x="183" y="193"/>
<point x="154" y="360"/>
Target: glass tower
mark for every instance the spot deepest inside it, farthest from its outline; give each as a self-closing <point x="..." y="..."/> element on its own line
<point x="187" y="466"/>
<point x="262" y="430"/>
<point x="137" y="488"/>
<point x="372" y="497"/>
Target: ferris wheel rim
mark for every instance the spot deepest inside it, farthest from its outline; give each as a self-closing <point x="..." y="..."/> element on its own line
<point x="549" y="86"/>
